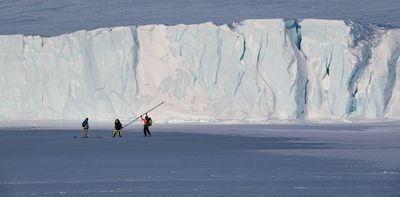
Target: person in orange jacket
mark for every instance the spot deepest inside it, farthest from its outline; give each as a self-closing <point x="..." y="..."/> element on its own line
<point x="147" y="122"/>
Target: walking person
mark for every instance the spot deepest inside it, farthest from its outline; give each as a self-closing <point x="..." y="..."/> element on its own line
<point x="147" y="122"/>
<point x="85" y="126"/>
<point x="118" y="128"/>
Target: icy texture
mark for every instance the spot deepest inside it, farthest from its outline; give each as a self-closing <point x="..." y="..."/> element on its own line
<point x="192" y="160"/>
<point x="50" y="18"/>
<point x="257" y="70"/>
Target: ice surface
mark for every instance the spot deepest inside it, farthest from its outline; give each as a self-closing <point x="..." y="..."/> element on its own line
<point x="255" y="70"/>
<point x="204" y="160"/>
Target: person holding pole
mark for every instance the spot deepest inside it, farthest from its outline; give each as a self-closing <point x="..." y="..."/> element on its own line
<point x="147" y="122"/>
<point x="118" y="128"/>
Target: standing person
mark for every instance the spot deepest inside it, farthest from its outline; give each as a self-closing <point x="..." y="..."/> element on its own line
<point x="118" y="128"/>
<point x="85" y="125"/>
<point x="146" y="123"/>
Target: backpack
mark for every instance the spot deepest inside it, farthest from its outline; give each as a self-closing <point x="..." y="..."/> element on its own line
<point x="149" y="122"/>
<point x="84" y="123"/>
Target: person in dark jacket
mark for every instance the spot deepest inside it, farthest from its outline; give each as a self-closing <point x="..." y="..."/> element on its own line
<point x="146" y="123"/>
<point x="85" y="126"/>
<point x="118" y="128"/>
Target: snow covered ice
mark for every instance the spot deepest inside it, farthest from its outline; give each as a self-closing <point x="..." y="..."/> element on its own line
<point x="203" y="160"/>
<point x="255" y="70"/>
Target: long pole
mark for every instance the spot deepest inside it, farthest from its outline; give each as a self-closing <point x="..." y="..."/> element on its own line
<point x="144" y="114"/>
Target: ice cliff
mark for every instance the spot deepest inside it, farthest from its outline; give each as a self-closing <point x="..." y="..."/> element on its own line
<point x="255" y="70"/>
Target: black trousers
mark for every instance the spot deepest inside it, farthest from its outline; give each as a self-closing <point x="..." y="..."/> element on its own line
<point x="146" y="131"/>
<point x="115" y="133"/>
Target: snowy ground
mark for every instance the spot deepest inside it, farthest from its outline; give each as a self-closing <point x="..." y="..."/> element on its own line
<point x="55" y="17"/>
<point x="204" y="160"/>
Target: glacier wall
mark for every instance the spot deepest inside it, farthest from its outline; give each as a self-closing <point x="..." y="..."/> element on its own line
<point x="255" y="70"/>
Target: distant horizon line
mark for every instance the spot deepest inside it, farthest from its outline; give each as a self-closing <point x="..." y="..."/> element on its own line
<point x="230" y="24"/>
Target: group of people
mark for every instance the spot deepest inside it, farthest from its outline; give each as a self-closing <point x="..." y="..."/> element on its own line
<point x="147" y="122"/>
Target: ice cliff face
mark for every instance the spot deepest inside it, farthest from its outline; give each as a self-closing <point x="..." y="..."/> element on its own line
<point x="256" y="70"/>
